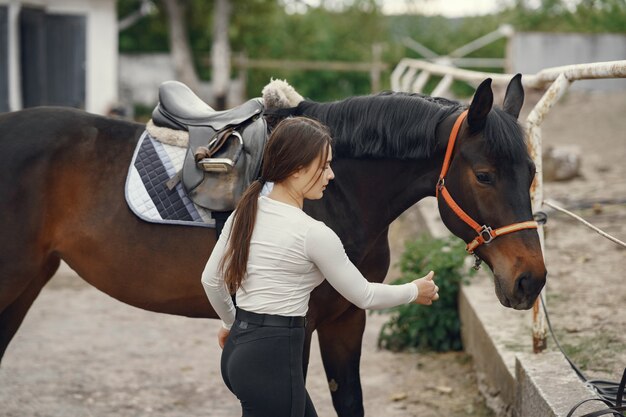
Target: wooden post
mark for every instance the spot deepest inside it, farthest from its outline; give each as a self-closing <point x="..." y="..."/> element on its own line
<point x="241" y="62"/>
<point x="220" y="54"/>
<point x="377" y="65"/>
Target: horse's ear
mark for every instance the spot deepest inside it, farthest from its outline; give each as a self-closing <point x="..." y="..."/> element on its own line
<point x="481" y="106"/>
<point x="514" y="97"/>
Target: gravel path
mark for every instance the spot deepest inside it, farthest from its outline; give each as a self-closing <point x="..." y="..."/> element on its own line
<point x="82" y="353"/>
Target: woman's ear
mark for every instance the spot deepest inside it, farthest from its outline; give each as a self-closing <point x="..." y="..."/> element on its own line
<point x="300" y="171"/>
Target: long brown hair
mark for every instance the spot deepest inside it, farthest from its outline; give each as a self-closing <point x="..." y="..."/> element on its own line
<point x="294" y="144"/>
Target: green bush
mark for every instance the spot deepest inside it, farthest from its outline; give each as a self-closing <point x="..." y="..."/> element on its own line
<point x="435" y="327"/>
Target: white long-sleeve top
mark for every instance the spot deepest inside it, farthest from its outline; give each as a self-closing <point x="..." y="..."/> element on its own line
<point x="290" y="254"/>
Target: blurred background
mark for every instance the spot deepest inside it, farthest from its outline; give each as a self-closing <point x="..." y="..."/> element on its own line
<point x="109" y="56"/>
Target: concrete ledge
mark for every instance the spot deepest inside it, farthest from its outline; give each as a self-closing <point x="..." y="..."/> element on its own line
<point x="516" y="382"/>
<point x="546" y="386"/>
<point x="490" y="332"/>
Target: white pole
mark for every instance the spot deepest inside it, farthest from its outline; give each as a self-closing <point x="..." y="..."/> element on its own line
<point x="533" y="131"/>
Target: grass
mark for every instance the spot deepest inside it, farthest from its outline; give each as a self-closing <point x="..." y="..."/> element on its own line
<point x="589" y="353"/>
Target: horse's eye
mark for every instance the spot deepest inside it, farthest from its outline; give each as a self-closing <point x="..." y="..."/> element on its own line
<point x="484" y="177"/>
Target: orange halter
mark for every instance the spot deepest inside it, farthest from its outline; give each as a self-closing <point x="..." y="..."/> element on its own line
<point x="485" y="233"/>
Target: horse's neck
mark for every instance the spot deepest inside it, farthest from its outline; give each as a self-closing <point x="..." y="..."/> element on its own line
<point x="382" y="189"/>
<point x="387" y="188"/>
<point x="368" y="195"/>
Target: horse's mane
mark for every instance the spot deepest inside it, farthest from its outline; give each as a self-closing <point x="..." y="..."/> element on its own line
<point x="402" y="125"/>
<point x="385" y="125"/>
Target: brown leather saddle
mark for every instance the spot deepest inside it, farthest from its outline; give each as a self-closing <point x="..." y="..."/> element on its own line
<point x="225" y="147"/>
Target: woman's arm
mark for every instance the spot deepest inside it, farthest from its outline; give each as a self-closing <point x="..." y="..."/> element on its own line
<point x="325" y="249"/>
<point x="213" y="282"/>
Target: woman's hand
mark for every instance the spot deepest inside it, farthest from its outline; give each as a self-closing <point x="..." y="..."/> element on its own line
<point x="428" y="291"/>
<point x="222" y="335"/>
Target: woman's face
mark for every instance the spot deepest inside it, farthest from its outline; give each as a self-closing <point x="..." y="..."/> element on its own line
<point x="316" y="177"/>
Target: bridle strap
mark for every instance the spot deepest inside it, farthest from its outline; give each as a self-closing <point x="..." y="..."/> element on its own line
<point x="459" y="211"/>
<point x="480" y="239"/>
<point x="485" y="234"/>
<point x="451" y="141"/>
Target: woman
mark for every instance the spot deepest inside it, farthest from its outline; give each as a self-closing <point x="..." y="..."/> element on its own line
<point x="271" y="255"/>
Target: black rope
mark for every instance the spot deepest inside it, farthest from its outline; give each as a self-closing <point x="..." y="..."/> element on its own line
<point x="610" y="393"/>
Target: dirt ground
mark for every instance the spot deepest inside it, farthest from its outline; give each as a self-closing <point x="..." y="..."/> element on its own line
<point x="82" y="353"/>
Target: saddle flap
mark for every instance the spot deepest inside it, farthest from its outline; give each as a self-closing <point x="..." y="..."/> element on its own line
<point x="216" y="175"/>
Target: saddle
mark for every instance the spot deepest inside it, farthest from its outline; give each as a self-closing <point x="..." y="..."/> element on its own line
<point x="225" y="147"/>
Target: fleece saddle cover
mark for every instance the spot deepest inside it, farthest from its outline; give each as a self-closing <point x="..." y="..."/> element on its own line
<point x="147" y="193"/>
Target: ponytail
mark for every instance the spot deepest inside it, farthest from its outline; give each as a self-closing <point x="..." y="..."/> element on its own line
<point x="295" y="143"/>
<point x="235" y="260"/>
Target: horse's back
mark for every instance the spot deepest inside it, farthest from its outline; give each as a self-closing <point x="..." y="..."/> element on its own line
<point x="41" y="125"/>
<point x="36" y="134"/>
<point x="40" y="148"/>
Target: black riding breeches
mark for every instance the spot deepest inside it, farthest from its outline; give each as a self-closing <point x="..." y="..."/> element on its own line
<point x="262" y="366"/>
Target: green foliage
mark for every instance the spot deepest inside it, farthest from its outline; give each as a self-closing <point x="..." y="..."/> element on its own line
<point x="435" y="327"/>
<point x="586" y="16"/>
<point x="344" y="30"/>
<point x="149" y="34"/>
<point x="142" y="113"/>
<point x="317" y="35"/>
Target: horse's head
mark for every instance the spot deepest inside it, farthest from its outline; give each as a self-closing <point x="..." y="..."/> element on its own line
<point x="489" y="178"/>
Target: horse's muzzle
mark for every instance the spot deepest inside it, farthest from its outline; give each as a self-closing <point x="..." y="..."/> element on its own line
<point x="524" y="291"/>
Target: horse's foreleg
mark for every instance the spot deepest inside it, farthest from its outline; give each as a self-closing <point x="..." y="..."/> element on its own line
<point x="340" y="345"/>
<point x="12" y="315"/>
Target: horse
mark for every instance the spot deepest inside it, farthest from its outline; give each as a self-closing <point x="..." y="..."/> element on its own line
<point x="62" y="175"/>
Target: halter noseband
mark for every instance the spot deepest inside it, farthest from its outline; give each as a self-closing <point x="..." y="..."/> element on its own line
<point x="485" y="234"/>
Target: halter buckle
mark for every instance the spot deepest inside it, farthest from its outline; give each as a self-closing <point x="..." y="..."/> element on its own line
<point x="485" y="234"/>
<point x="441" y="183"/>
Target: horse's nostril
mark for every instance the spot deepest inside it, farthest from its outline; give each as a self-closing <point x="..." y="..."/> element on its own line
<point x="524" y="284"/>
<point x="527" y="285"/>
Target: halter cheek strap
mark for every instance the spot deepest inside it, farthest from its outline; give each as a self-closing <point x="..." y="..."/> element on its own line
<point x="485" y="234"/>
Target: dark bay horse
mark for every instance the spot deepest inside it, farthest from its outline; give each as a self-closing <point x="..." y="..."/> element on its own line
<point x="62" y="175"/>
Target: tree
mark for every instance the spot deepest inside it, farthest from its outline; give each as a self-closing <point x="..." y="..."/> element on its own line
<point x="180" y="51"/>
<point x="220" y="53"/>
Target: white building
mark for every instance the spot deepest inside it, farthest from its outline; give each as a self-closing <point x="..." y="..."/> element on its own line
<point x="58" y="52"/>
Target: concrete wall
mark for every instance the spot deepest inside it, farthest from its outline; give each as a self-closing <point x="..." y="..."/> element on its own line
<point x="531" y="52"/>
<point x="101" y="47"/>
<point x="141" y="74"/>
